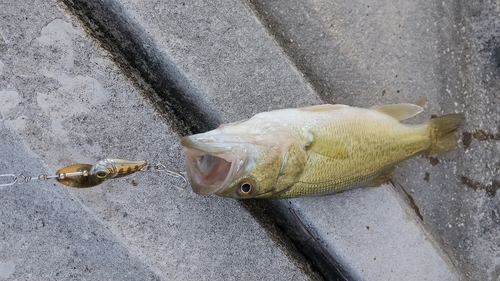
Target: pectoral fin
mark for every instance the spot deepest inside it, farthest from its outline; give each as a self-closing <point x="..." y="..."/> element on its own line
<point x="329" y="148"/>
<point x="382" y="178"/>
<point x="399" y="111"/>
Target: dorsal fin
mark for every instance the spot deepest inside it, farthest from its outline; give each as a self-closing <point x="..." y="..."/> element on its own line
<point x="400" y="111"/>
<point x="324" y="107"/>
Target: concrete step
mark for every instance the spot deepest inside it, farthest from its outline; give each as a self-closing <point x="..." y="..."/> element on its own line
<point x="82" y="80"/>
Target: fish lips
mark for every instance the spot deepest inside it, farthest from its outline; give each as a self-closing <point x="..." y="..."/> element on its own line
<point x="212" y="164"/>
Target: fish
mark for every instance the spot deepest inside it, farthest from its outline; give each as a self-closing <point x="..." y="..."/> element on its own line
<point x="312" y="151"/>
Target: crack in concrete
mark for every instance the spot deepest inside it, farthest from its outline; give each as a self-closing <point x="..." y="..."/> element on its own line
<point x="479" y="135"/>
<point x="490" y="189"/>
<point x="172" y="94"/>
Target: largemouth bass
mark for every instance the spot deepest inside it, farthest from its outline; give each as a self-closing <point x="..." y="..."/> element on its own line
<point x="311" y="151"/>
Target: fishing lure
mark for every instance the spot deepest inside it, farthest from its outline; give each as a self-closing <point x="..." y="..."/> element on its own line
<point x="86" y="175"/>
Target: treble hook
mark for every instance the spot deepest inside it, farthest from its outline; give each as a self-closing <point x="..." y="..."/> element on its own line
<point x="162" y="168"/>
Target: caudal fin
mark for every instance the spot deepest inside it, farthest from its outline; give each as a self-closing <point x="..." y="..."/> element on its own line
<point x="444" y="133"/>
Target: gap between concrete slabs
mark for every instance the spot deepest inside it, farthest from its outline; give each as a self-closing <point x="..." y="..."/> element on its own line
<point x="161" y="66"/>
<point x="63" y="102"/>
<point x="181" y="96"/>
<point x="363" y="52"/>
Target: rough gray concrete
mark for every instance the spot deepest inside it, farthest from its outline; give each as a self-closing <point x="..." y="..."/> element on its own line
<point x="64" y="100"/>
<point x="47" y="232"/>
<point x="181" y="36"/>
<point x="387" y="52"/>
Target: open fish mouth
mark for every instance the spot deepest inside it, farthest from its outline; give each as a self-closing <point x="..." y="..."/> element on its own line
<point x="210" y="168"/>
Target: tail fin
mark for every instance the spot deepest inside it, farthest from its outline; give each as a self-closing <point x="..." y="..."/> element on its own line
<point x="444" y="132"/>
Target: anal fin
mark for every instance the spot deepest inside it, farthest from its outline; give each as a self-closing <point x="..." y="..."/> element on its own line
<point x="385" y="176"/>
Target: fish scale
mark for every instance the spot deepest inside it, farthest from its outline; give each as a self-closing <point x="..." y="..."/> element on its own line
<point x="371" y="149"/>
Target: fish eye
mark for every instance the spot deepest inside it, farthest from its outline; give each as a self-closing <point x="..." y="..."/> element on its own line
<point x="245" y="189"/>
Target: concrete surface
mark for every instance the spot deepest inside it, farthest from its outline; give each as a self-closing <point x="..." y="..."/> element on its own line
<point x="64" y="102"/>
<point x="69" y="98"/>
<point x="386" y="51"/>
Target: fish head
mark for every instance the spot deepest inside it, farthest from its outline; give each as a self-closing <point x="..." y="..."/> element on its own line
<point x="242" y="165"/>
